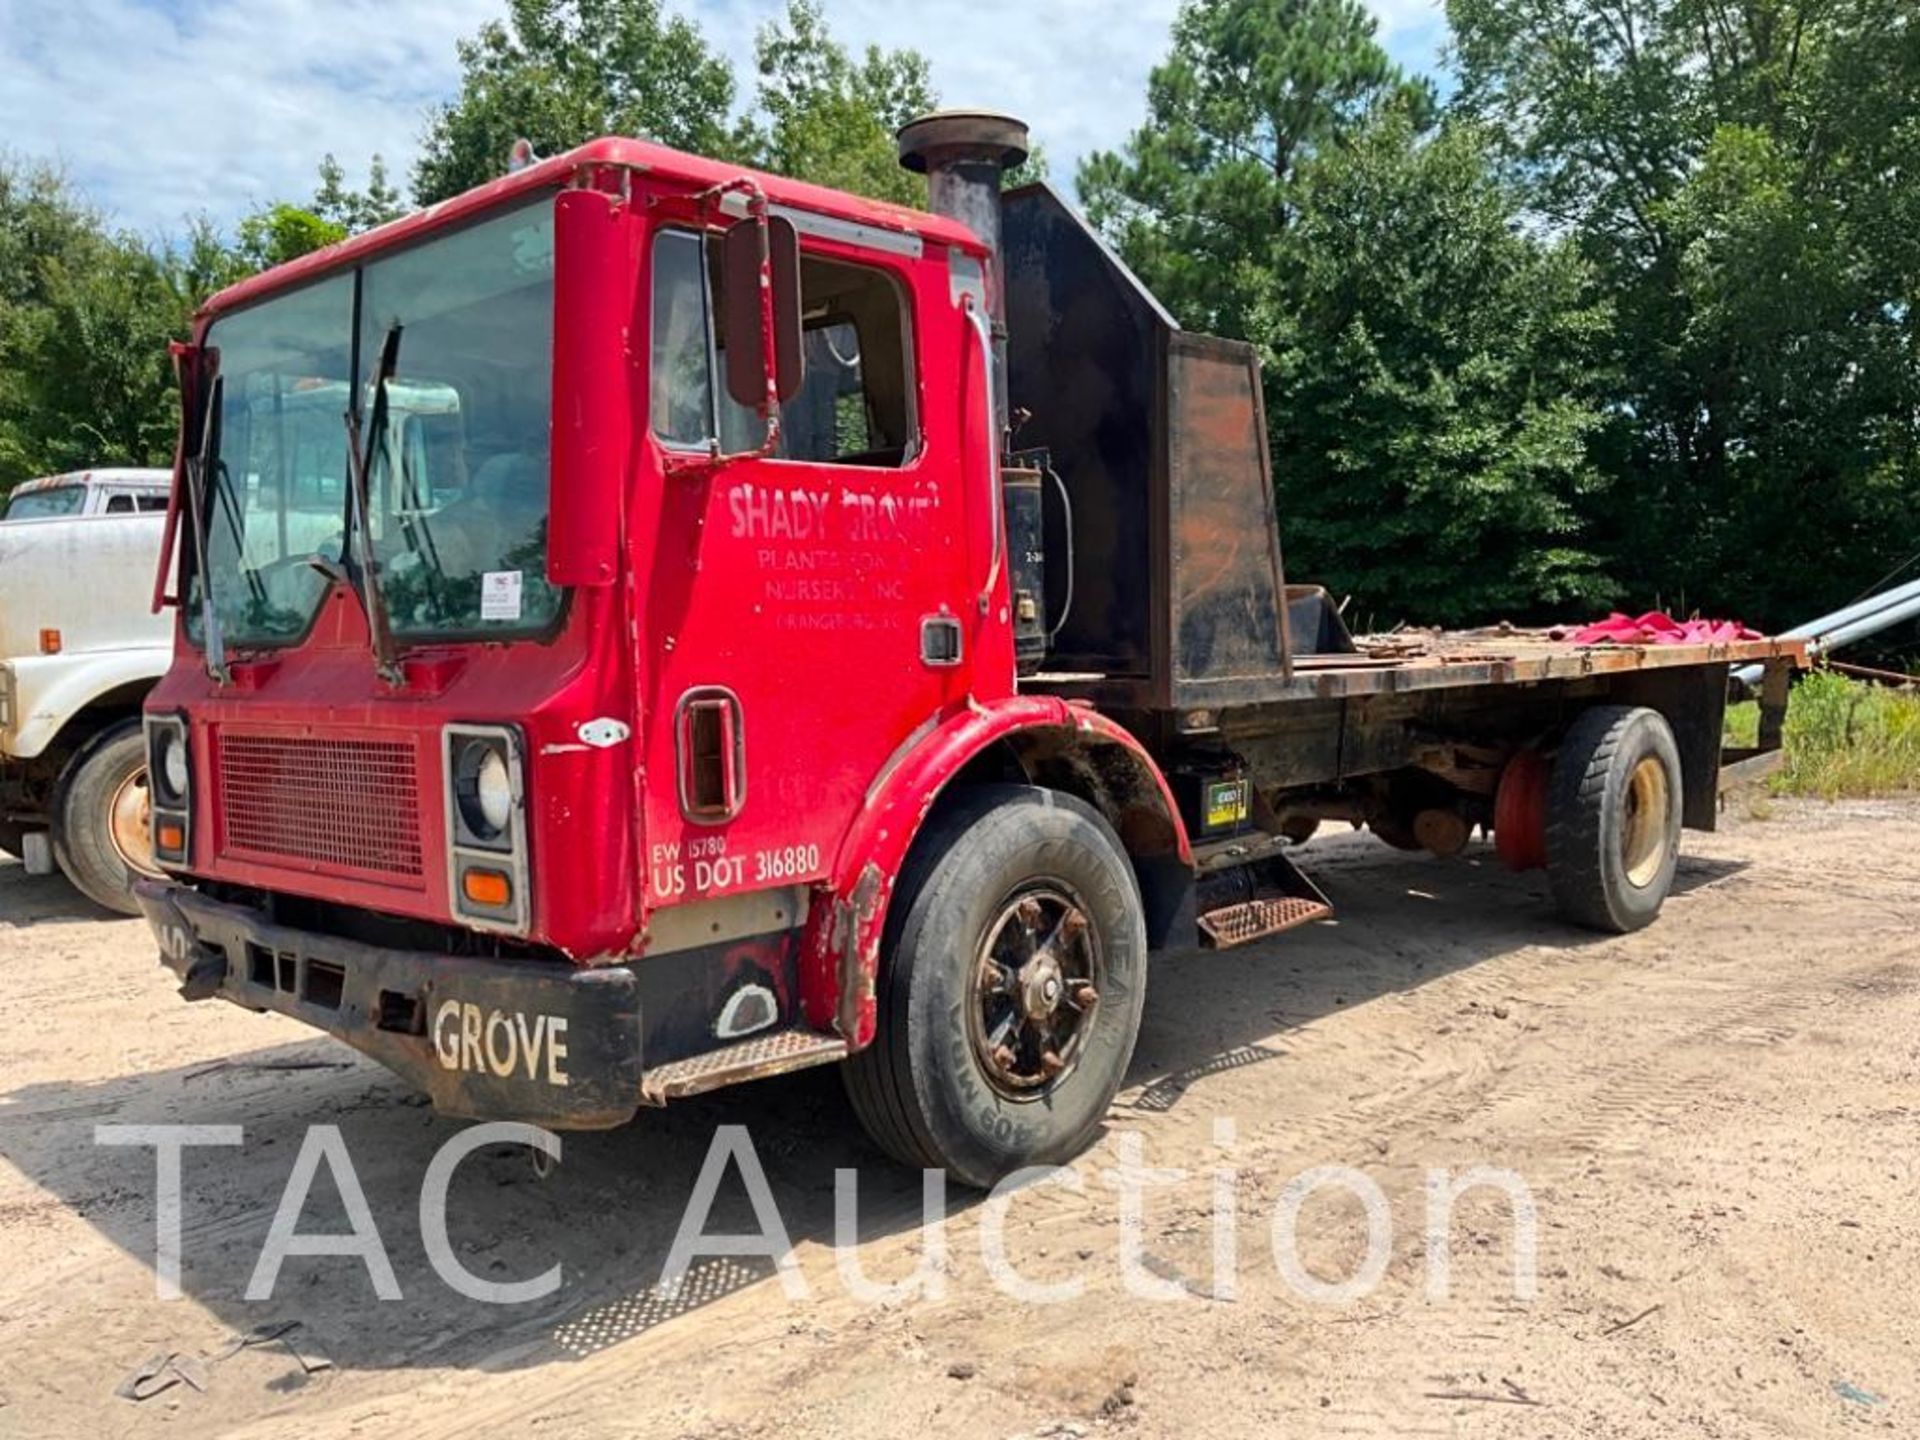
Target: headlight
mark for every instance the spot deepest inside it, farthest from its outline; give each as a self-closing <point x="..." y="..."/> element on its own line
<point x="487" y="870"/>
<point x="169" y="788"/>
<point x="493" y="791"/>
<point x="173" y="765"/>
<point x="483" y="788"/>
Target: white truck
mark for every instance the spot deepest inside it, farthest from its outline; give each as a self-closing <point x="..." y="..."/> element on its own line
<point x="79" y="650"/>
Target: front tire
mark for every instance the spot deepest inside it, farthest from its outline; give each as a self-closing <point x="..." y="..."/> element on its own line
<point x="100" y="834"/>
<point x="1613" y="818"/>
<point x="1013" y="980"/>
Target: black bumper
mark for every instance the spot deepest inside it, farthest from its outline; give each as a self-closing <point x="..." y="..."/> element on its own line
<point x="545" y="1043"/>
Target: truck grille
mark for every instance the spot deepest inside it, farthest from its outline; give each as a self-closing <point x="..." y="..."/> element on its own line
<point x="348" y="803"/>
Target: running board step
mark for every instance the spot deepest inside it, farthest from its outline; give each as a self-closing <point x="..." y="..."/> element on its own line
<point x="1254" y="919"/>
<point x="1253" y="900"/>
<point x="753" y="1059"/>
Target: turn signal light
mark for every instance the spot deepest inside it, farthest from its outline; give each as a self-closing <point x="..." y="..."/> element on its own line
<point x="487" y="887"/>
<point x="171" y="837"/>
<point x="49" y="642"/>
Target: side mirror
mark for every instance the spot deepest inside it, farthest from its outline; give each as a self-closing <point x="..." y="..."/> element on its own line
<point x="761" y="256"/>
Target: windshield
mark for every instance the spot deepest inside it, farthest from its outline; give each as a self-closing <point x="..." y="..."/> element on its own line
<point x="457" y="482"/>
<point x="46" y="504"/>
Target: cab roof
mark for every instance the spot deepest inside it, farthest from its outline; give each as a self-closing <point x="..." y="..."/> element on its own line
<point x="107" y="475"/>
<point x="659" y="162"/>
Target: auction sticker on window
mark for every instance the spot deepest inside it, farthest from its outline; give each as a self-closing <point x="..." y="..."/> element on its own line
<point x="500" y="595"/>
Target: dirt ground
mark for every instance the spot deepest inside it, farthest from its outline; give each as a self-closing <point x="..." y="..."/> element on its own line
<point x="1715" y="1120"/>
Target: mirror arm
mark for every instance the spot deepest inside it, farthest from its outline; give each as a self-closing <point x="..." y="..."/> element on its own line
<point x="981" y="330"/>
<point x="755" y="199"/>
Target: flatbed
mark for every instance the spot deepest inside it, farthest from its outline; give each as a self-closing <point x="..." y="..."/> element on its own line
<point x="1442" y="659"/>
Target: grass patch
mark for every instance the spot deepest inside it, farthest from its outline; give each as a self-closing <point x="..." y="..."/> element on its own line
<point x="1844" y="739"/>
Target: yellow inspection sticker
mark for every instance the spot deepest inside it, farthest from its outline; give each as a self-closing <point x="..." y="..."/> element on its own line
<point x="1226" y="803"/>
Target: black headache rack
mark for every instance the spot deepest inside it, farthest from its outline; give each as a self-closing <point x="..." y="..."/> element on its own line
<point x="1179" y="598"/>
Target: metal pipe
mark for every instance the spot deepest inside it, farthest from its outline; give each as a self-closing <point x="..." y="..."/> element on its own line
<point x="1859" y="610"/>
<point x="1830" y="639"/>
<point x="1852" y="622"/>
<point x="964" y="154"/>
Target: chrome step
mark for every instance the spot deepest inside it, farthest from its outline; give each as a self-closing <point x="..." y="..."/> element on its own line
<point x="754" y="1059"/>
<point x="1255" y="919"/>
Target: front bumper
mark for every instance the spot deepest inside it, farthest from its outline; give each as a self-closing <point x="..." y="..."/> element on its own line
<point x="545" y="1043"/>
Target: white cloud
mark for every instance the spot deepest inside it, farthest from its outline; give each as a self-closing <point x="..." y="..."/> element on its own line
<point x="163" y="108"/>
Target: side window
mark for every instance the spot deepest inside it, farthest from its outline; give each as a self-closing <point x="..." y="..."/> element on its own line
<point x="120" y="505"/>
<point x="855" y="406"/>
<point x="681" y="382"/>
<point x="146" y="504"/>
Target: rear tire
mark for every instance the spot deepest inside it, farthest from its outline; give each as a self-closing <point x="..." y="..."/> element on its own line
<point x="99" y="837"/>
<point x="1008" y="863"/>
<point x="1613" y="818"/>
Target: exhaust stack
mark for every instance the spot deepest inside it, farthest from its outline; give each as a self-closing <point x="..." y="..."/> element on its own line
<point x="964" y="154"/>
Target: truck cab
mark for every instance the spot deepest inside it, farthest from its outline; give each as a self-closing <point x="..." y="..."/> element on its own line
<point x="80" y="647"/>
<point x="83" y="493"/>
<point x="512" y="629"/>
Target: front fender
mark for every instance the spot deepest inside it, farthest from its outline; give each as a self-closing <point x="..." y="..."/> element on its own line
<point x="49" y="690"/>
<point x="841" y="954"/>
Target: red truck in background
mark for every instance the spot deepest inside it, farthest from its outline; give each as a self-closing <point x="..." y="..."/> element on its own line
<point x="737" y="626"/>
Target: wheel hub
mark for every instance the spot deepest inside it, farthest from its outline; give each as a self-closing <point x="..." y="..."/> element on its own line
<point x="1040" y="987"/>
<point x="1035" y="988"/>
<point x="1643" y="829"/>
<point x="129" y="818"/>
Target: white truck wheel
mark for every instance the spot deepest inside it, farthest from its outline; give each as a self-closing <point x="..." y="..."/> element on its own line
<point x="100" y="832"/>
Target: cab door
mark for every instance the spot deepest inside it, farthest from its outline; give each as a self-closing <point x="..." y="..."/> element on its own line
<point x="805" y="606"/>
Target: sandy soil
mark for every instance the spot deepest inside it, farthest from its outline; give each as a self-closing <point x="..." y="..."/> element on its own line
<point x="1715" y="1119"/>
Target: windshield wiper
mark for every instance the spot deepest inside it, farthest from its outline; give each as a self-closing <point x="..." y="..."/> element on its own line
<point x="418" y="533"/>
<point x="360" y="461"/>
<point x="214" y="645"/>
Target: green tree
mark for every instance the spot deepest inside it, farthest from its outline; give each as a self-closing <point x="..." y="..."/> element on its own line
<point x="830" y="117"/>
<point x="1430" y="365"/>
<point x="356" y="210"/>
<point x="85" y="317"/>
<point x="84" y="321"/>
<point x="561" y="72"/>
<point x="283" y="232"/>
<point x="1200" y="199"/>
<point x="1738" y="173"/>
<point x="1436" y="388"/>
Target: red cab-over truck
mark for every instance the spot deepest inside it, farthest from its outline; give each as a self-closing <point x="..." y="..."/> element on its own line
<point x="645" y="625"/>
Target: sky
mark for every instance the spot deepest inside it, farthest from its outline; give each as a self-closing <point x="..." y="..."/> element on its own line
<point x="162" y="109"/>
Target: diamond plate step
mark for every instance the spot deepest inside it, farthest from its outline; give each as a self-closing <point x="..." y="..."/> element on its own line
<point x="764" y="1055"/>
<point x="1254" y="919"/>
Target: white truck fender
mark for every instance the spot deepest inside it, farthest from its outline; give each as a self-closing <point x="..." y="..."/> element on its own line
<point x="47" y="691"/>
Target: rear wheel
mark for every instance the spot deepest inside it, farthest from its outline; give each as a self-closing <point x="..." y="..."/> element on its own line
<point x="1012" y="987"/>
<point x="100" y="818"/>
<point x="1613" y="818"/>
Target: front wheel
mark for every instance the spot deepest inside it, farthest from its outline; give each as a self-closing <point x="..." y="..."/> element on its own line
<point x="1012" y="985"/>
<point x="100" y="818"/>
<point x="1613" y="818"/>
